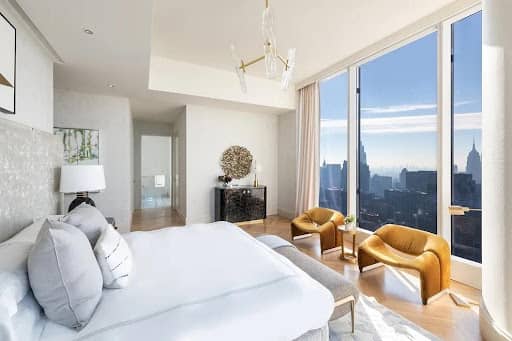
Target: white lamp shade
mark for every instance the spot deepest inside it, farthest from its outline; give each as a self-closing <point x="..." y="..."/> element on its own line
<point x="84" y="178"/>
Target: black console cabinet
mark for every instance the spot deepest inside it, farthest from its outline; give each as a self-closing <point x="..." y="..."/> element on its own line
<point x="240" y="203"/>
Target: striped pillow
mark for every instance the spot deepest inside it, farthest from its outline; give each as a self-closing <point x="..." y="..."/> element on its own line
<point x="114" y="258"/>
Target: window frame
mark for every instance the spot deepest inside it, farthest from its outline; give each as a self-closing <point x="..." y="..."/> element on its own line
<point x="463" y="270"/>
<point x="461" y="265"/>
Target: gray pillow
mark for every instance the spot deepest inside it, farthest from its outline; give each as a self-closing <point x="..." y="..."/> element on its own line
<point x="88" y="219"/>
<point x="64" y="275"/>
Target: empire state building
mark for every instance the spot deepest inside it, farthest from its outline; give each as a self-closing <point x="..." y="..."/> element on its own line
<point x="474" y="165"/>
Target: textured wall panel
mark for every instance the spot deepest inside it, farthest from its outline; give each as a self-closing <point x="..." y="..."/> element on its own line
<point x="30" y="163"/>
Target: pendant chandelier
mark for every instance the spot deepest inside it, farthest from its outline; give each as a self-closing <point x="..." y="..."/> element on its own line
<point x="270" y="55"/>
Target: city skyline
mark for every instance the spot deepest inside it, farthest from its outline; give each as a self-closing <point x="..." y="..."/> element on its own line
<point x="334" y="142"/>
<point x="395" y="170"/>
<point x="409" y="199"/>
<point x="473" y="166"/>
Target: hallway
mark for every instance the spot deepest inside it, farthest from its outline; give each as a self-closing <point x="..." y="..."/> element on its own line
<point x="155" y="218"/>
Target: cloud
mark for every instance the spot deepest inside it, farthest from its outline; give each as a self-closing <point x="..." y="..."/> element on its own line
<point x="398" y="108"/>
<point x="458" y="104"/>
<point x="407" y="108"/>
<point x="404" y="124"/>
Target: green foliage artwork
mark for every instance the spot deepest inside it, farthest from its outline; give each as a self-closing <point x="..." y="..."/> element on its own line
<point x="81" y="146"/>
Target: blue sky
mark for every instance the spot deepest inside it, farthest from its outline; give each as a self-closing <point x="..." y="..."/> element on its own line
<point x="398" y="104"/>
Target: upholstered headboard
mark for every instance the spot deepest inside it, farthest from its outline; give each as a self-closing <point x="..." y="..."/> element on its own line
<point x="30" y="163"/>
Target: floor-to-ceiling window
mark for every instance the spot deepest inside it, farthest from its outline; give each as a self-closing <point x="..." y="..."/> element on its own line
<point x="397" y="169"/>
<point x="410" y="116"/>
<point x="333" y="142"/>
<point x="466" y="136"/>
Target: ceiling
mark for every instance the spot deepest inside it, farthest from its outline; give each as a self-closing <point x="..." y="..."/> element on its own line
<point x="128" y="32"/>
<point x="323" y="31"/>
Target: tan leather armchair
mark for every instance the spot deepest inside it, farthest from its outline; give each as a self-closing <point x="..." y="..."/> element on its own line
<point x="430" y="255"/>
<point x="323" y="221"/>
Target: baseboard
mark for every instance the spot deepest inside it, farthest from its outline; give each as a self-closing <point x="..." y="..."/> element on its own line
<point x="489" y="329"/>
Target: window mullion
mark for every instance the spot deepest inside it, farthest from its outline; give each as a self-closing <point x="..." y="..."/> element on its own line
<point x="444" y="130"/>
<point x="353" y="137"/>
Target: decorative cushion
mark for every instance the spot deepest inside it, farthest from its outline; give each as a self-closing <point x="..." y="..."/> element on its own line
<point x="64" y="275"/>
<point x="13" y="275"/>
<point x="88" y="219"/>
<point x="114" y="257"/>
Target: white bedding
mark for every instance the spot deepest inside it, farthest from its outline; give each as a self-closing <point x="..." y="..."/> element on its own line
<point x="205" y="282"/>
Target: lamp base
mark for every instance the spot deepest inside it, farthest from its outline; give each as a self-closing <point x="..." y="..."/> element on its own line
<point x="81" y="198"/>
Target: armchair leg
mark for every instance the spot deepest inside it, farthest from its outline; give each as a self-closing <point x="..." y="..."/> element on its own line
<point x="352" y="301"/>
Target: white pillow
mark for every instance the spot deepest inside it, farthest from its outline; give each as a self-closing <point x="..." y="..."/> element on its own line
<point x="14" y="283"/>
<point x="114" y="257"/>
<point x="64" y="275"/>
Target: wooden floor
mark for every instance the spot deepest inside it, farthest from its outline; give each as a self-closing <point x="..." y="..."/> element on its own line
<point x="397" y="290"/>
<point x="154" y="218"/>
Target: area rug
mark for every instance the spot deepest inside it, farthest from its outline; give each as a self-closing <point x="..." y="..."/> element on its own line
<point x="375" y="322"/>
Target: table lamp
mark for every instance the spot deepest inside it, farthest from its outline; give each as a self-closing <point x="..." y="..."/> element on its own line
<point x="81" y="180"/>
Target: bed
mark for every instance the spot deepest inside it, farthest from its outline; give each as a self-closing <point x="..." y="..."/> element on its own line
<point x="198" y="282"/>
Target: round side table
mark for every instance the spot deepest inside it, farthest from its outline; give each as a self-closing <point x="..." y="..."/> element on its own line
<point x="343" y="256"/>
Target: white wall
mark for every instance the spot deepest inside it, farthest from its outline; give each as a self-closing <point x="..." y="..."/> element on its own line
<point x="287" y="165"/>
<point x="210" y="131"/>
<point x="150" y="129"/>
<point x="34" y="76"/>
<point x="112" y="117"/>
<point x="180" y="162"/>
<point x="496" y="305"/>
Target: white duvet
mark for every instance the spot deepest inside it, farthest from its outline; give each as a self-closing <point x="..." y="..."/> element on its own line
<point x="205" y="282"/>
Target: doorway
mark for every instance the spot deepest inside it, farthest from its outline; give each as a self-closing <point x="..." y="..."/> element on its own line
<point x="156" y="169"/>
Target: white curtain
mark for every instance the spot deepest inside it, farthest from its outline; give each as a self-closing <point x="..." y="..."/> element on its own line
<point x="308" y="148"/>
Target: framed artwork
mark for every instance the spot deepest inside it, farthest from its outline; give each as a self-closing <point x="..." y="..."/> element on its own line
<point x="7" y="66"/>
<point x="81" y="146"/>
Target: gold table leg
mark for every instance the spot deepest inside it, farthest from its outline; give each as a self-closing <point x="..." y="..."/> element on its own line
<point x="352" y="257"/>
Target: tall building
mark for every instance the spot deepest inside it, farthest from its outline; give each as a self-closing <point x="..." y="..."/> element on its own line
<point x="421" y="181"/>
<point x="403" y="173"/>
<point x="344" y="175"/>
<point x="474" y="164"/>
<point x="364" y="171"/>
<point x="362" y="155"/>
<point x="330" y="175"/>
<point x="380" y="183"/>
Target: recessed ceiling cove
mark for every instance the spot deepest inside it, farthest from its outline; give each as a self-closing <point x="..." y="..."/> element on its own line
<point x="323" y="31"/>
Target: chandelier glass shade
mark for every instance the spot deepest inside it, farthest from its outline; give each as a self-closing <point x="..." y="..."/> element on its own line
<point x="270" y="57"/>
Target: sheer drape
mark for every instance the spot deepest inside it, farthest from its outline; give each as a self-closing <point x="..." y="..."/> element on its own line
<point x="308" y="142"/>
